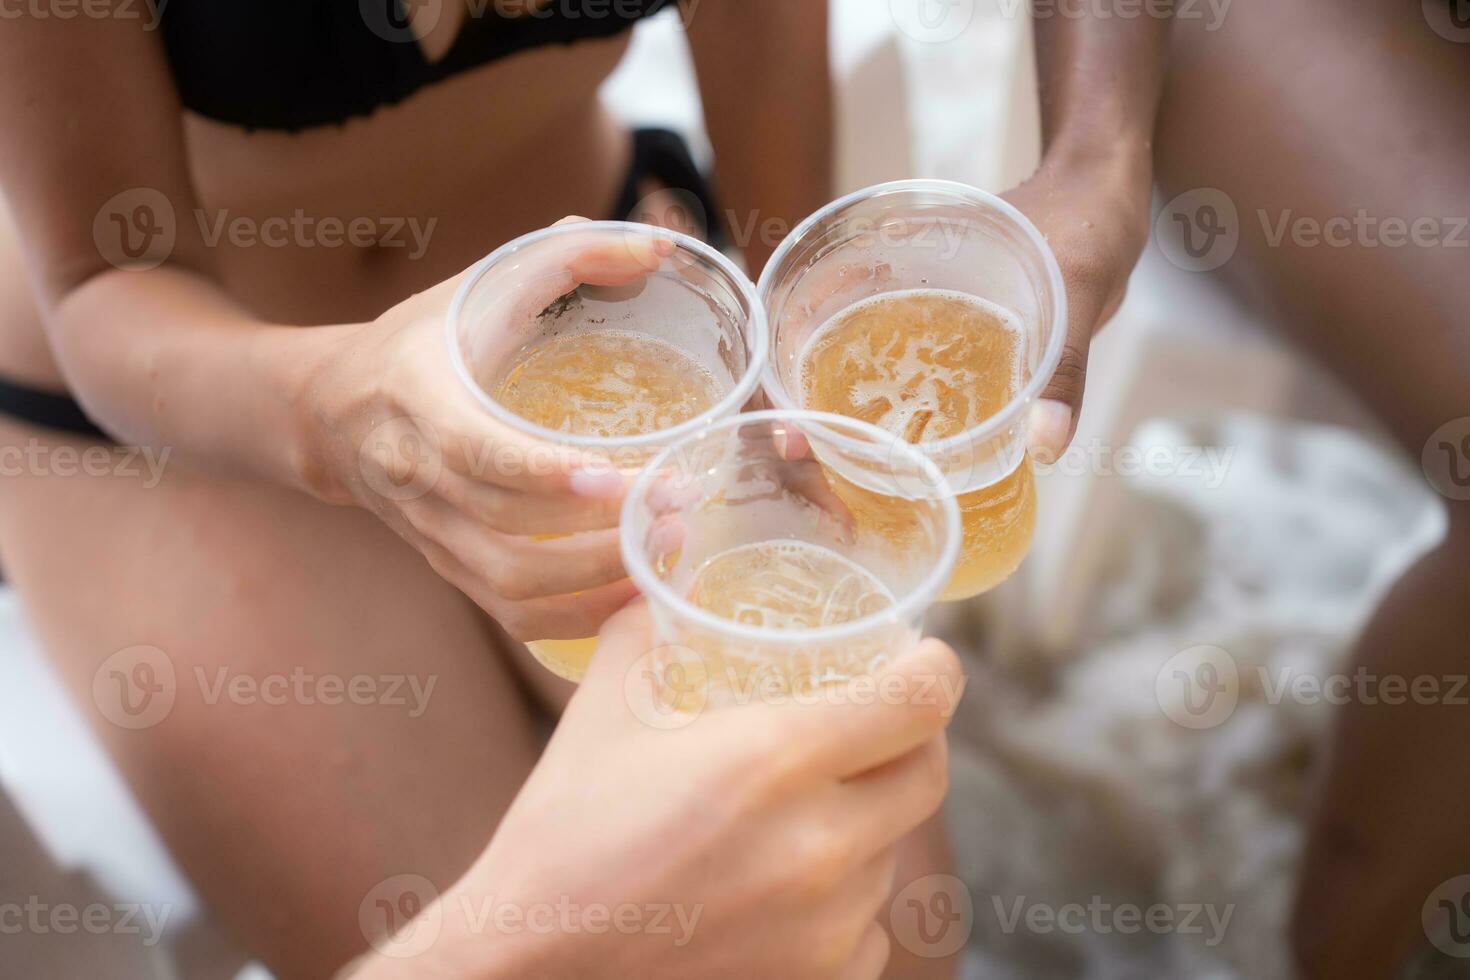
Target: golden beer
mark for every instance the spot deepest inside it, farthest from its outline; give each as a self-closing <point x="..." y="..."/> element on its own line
<point x="786" y="585"/>
<point x="927" y="364"/>
<point x="610" y="384"/>
<point x="792" y="585"/>
<point x="606" y="383"/>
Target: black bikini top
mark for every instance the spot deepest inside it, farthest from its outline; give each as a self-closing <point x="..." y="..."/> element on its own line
<point x="312" y="62"/>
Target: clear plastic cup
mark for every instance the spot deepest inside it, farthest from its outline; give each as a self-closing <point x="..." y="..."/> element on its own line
<point x="526" y="293"/>
<point x="931" y="236"/>
<point x="759" y="577"/>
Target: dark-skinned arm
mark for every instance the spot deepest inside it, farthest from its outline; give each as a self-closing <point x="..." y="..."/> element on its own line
<point x="1100" y="80"/>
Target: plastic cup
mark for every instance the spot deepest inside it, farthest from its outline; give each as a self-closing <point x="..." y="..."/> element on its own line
<point x="829" y="600"/>
<point x="526" y="292"/>
<point x="931" y="235"/>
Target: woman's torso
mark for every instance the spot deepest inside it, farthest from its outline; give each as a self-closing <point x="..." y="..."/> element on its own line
<point x="429" y="183"/>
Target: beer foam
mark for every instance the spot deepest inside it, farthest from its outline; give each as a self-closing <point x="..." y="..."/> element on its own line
<point x="607" y="383"/>
<point x="787" y="585"/>
<point x="921" y="363"/>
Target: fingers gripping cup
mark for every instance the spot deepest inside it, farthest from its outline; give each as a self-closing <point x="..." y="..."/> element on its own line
<point x="759" y="579"/>
<point x="935" y="311"/>
<point x="611" y="338"/>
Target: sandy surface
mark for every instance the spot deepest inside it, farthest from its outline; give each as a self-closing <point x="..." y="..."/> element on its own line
<point x="1073" y="783"/>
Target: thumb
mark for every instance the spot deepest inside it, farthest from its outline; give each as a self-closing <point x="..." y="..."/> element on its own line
<point x="625" y="637"/>
<point x="1054" y="416"/>
<point x="637" y="677"/>
<point x="1053" y="419"/>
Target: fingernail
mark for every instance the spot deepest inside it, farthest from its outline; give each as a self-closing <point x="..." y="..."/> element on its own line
<point x="665" y="537"/>
<point x="599" y="482"/>
<point x="1051" y="425"/>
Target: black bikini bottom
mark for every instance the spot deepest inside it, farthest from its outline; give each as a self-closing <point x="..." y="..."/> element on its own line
<point x="660" y="157"/>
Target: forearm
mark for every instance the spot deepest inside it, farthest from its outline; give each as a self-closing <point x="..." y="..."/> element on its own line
<point x="460" y="950"/>
<point x="765" y="81"/>
<point x="1100" y="80"/>
<point x="164" y="358"/>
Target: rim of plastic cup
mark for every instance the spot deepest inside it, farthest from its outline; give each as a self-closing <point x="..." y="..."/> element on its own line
<point x="757" y="338"/>
<point x="1051" y="355"/>
<point x="922" y="596"/>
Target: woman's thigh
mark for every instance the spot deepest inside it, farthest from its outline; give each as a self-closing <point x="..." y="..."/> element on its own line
<point x="312" y="711"/>
<point x="1333" y="128"/>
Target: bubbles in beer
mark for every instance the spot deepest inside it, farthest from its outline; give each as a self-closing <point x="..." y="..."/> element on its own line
<point x="925" y="364"/>
<point x="787" y="585"/>
<point x="928" y="364"/>
<point x="606" y="383"/>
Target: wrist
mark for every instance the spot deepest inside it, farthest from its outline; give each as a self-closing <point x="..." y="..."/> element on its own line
<point x="1120" y="163"/>
<point x="289" y="364"/>
<point x="1116" y="178"/>
<point x="458" y="950"/>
